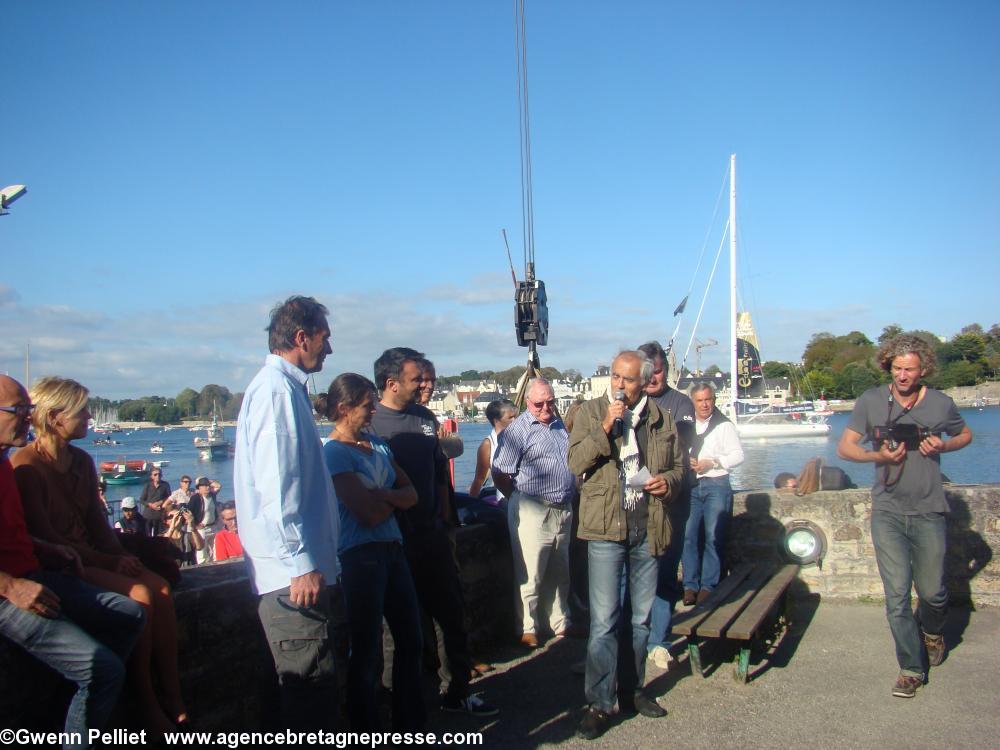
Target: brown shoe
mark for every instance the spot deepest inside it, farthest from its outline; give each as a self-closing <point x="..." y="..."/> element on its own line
<point x="529" y="640"/>
<point x="935" y="649"/>
<point x="906" y="687"/>
<point x="703" y="595"/>
<point x="690" y="597"/>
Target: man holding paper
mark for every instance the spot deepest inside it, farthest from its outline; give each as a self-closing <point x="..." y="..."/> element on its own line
<point x="626" y="448"/>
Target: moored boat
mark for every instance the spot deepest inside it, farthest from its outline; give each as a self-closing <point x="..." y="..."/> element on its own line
<point x="125" y="472"/>
<point x="214" y="446"/>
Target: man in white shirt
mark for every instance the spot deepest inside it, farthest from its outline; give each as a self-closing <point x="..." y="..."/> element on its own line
<point x="715" y="449"/>
<point x="288" y="514"/>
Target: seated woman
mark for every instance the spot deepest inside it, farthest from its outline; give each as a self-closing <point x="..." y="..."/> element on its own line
<point x="58" y="485"/>
<point x="500" y="413"/>
<point x="376" y="578"/>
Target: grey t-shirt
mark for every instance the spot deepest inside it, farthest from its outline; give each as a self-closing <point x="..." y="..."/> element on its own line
<point x="919" y="487"/>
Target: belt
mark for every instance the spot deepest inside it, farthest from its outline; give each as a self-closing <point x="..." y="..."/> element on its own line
<point x="567" y="505"/>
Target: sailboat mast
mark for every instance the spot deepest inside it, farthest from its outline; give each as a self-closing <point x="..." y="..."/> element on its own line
<point x="733" y="380"/>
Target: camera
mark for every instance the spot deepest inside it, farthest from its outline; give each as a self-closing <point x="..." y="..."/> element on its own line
<point x="895" y="435"/>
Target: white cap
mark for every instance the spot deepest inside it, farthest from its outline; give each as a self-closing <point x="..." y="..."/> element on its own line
<point x="128" y="502"/>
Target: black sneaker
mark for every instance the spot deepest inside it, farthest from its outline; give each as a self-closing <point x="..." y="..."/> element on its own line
<point x="935" y="649"/>
<point x="647" y="706"/>
<point x="472" y="705"/>
<point x="594" y="724"/>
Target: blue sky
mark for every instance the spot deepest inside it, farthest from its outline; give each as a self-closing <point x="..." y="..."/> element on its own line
<point x="189" y="164"/>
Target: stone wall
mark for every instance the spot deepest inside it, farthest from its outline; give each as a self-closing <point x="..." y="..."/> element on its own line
<point x="849" y="570"/>
<point x="221" y="646"/>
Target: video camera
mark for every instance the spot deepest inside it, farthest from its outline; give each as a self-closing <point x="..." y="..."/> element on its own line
<point x="895" y="435"/>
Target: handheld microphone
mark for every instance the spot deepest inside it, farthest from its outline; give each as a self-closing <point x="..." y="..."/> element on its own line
<point x="619" y="426"/>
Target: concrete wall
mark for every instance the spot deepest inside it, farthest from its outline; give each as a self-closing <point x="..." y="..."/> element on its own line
<point x="849" y="569"/>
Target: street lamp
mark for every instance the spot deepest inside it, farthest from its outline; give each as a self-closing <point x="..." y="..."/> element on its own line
<point x="10" y="194"/>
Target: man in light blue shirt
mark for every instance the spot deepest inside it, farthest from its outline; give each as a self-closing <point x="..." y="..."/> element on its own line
<point x="288" y="514"/>
<point x="530" y="468"/>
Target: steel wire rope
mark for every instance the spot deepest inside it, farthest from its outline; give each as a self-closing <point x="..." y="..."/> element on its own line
<point x="524" y="126"/>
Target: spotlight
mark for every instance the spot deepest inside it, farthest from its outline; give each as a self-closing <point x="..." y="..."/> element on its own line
<point x="804" y="543"/>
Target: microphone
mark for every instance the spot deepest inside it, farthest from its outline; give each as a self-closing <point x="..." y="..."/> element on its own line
<point x="619" y="426"/>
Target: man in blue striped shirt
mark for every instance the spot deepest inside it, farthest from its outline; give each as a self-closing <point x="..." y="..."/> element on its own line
<point x="289" y="521"/>
<point x="530" y="468"/>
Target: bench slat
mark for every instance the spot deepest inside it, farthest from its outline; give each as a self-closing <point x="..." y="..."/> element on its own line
<point x="748" y="622"/>
<point x="686" y="622"/>
<point x="735" y="603"/>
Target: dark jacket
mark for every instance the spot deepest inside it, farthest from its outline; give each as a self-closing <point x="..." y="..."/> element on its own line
<point x="594" y="455"/>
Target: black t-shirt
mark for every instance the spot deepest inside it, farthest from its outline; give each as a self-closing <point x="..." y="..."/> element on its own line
<point x="412" y="436"/>
<point x="682" y="410"/>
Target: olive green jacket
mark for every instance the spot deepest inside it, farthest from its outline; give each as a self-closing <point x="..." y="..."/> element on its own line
<point x="594" y="455"/>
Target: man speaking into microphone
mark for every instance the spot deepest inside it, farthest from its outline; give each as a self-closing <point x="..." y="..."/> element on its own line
<point x="629" y="480"/>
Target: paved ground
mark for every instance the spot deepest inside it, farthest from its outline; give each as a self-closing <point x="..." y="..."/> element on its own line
<point x="825" y="685"/>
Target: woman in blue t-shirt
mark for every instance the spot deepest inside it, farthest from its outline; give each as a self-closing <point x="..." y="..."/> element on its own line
<point x="376" y="578"/>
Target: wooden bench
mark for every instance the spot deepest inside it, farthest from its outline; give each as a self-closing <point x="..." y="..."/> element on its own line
<point x="736" y="610"/>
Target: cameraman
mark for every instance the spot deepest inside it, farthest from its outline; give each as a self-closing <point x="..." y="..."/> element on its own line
<point x="908" y="501"/>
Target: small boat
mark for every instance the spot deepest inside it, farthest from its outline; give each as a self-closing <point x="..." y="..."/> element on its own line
<point x="125" y="472"/>
<point x="106" y="441"/>
<point x="156" y="448"/>
<point x="159" y="464"/>
<point x="214" y="446"/>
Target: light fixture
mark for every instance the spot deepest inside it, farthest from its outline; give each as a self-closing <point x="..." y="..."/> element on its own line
<point x="804" y="542"/>
<point x="10" y="194"/>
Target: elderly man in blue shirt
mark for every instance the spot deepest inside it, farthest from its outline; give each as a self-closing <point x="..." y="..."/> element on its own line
<point x="530" y="468"/>
<point x="288" y="513"/>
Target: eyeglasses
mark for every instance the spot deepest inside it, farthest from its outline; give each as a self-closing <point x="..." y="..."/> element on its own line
<point x="21" y="410"/>
<point x="185" y="481"/>
<point x="542" y="404"/>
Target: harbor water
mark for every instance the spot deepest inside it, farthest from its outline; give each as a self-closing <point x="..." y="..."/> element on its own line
<point x="764" y="457"/>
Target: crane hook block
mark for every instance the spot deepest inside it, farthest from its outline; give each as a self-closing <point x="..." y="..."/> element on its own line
<point x="531" y="313"/>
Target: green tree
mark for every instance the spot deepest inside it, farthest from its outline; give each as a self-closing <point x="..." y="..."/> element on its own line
<point x="132" y="411"/>
<point x="969" y="346"/>
<point x="165" y="413"/>
<point x="773" y="370"/>
<point x="888" y="332"/>
<point x="210" y="396"/>
<point x="959" y="372"/>
<point x="855" y="379"/>
<point x="819" y="382"/>
<point x="187" y="402"/>
<point x="469" y="375"/>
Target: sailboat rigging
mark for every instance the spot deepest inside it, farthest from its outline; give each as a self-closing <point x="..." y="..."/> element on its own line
<point x="748" y="405"/>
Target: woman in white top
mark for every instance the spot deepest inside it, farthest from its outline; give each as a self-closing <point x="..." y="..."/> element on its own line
<point x="500" y="413"/>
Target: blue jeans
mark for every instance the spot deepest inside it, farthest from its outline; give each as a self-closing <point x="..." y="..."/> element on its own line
<point x="377" y="582"/>
<point x="909" y="551"/>
<point x="711" y="506"/>
<point x="608" y="564"/>
<point x="668" y="589"/>
<point x="87" y="644"/>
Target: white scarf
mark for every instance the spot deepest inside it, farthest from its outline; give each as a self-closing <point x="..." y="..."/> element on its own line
<point x="629" y="453"/>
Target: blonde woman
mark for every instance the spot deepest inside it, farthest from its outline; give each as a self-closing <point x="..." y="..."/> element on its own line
<point x="58" y="486"/>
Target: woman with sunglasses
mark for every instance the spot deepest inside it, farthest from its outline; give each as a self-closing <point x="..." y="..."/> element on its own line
<point x="58" y="486"/>
<point x="376" y="578"/>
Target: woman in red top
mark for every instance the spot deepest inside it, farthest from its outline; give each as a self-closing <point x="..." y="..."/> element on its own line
<point x="58" y="485"/>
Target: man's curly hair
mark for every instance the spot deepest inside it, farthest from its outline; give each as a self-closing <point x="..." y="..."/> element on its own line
<point x="907" y="343"/>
